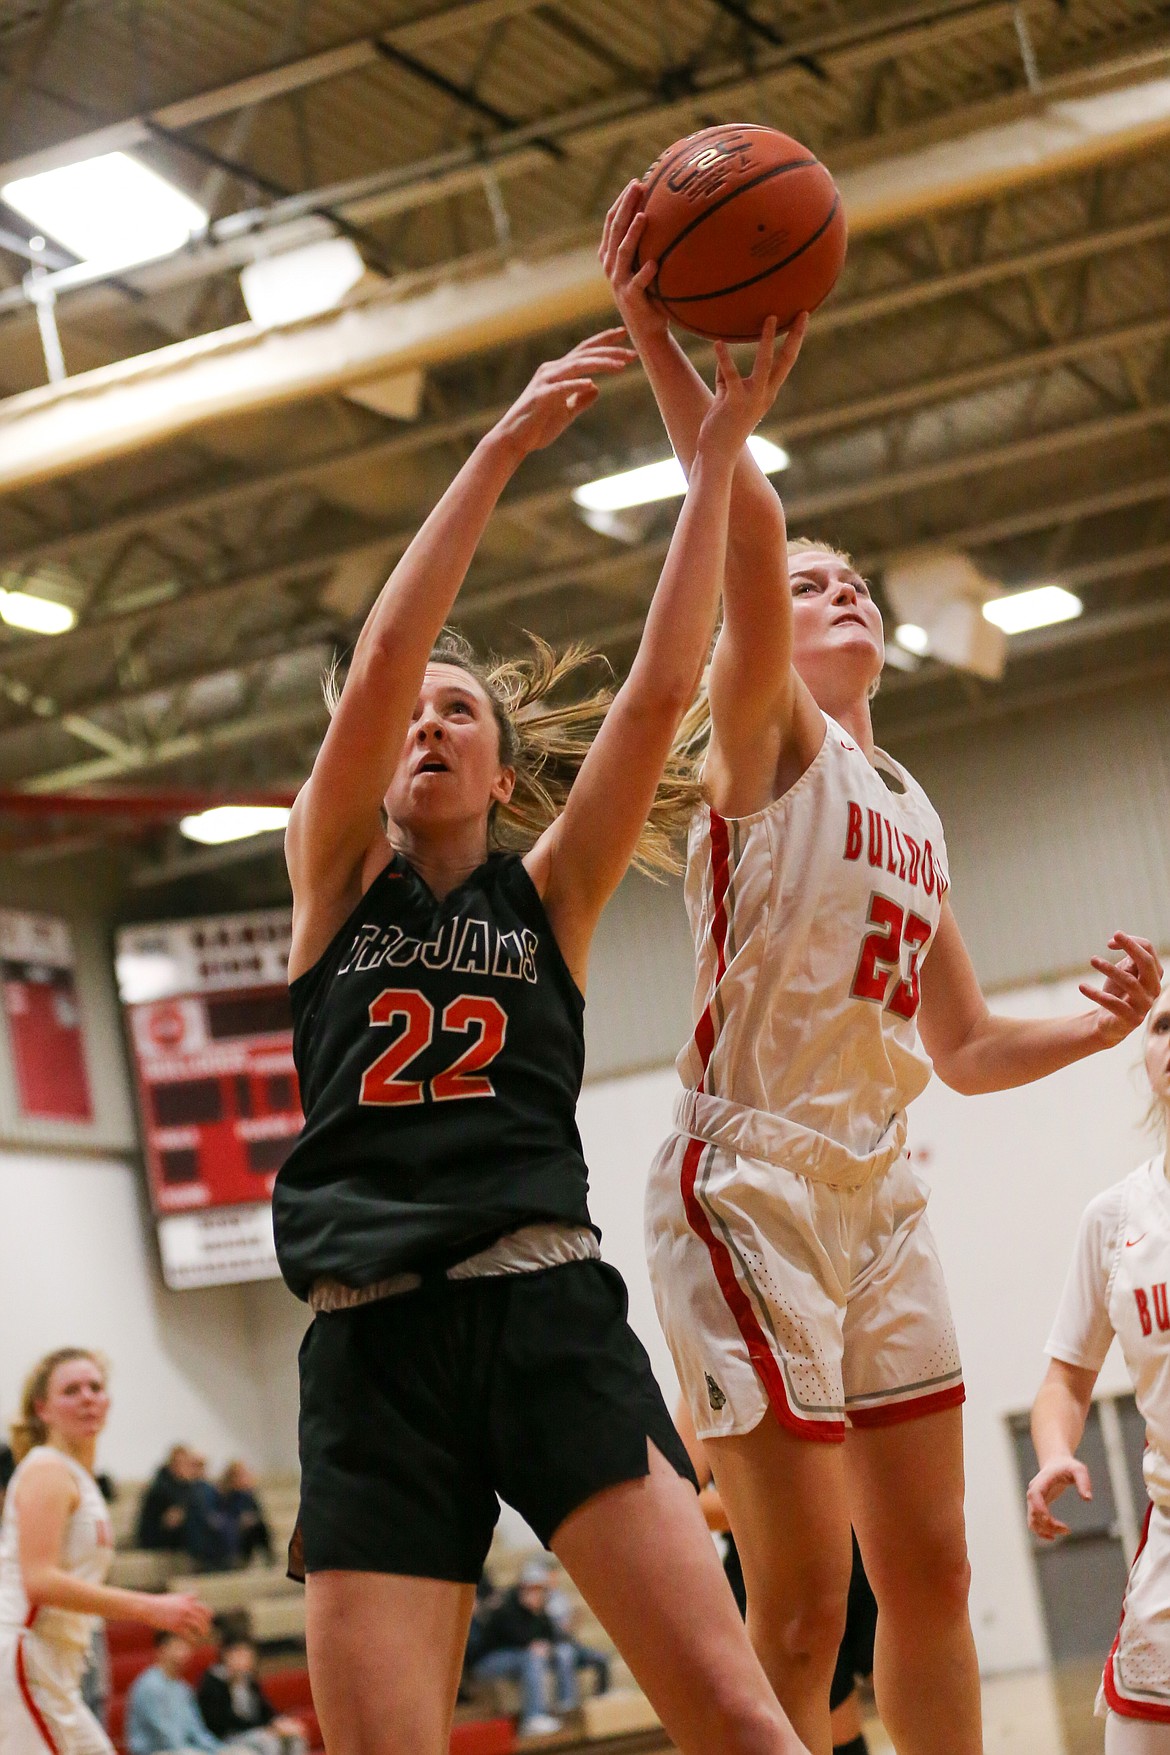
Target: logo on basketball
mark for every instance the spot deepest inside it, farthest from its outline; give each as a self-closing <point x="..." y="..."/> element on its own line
<point x="704" y="173"/>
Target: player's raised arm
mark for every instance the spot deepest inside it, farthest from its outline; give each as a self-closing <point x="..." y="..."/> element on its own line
<point x="336" y="816"/>
<point x="973" y="1050"/>
<point x="752" y="690"/>
<point x="580" y="859"/>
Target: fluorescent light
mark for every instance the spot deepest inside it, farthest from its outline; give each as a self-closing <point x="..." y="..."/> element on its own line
<point x="301" y="283"/>
<point x="912" y="637"/>
<point x="662" y="481"/>
<point x="233" y="822"/>
<point x="1019" y="611"/>
<point x="36" y="615"/>
<point x="110" y="210"/>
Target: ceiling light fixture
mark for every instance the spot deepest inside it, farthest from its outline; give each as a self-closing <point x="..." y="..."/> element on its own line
<point x="110" y="211"/>
<point x="662" y="481"/>
<point x="233" y="822"/>
<point x="300" y="283"/>
<point x="35" y="615"/>
<point x="1020" y="611"/>
<point x="912" y="637"/>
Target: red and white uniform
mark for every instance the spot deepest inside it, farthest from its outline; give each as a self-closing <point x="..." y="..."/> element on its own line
<point x="43" y="1652"/>
<point x="1117" y="1285"/>
<point x="789" y="1253"/>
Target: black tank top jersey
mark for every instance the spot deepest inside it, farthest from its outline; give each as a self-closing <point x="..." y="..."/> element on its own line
<point x="440" y="1048"/>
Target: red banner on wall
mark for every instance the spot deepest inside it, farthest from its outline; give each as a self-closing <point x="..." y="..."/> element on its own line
<point x="37" y="970"/>
<point x="211" y="1035"/>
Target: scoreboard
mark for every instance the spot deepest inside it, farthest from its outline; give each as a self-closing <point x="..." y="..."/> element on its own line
<point x="210" y="1033"/>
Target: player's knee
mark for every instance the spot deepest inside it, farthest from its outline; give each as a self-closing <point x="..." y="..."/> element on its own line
<point x="806" y="1627"/>
<point x="933" y="1568"/>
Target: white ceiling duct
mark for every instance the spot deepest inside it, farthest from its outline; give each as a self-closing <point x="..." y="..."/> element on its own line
<point x="941" y="592"/>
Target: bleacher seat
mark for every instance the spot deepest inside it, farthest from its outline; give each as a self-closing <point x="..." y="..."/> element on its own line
<point x="483" y="1736"/>
<point x="277" y="1618"/>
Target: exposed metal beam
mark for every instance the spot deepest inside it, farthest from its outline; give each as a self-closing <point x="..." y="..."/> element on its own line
<point x="872" y="197"/>
<point x="178" y="749"/>
<point x="400" y="444"/>
<point x="274" y="82"/>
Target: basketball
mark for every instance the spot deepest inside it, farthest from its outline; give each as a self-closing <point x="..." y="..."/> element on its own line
<point x="744" y="224"/>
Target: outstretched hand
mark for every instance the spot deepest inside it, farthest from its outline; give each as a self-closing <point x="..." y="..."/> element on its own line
<point x="1048" y="1484"/>
<point x="741" y="403"/>
<point x="624" y="225"/>
<point x="560" y="390"/>
<point x="1128" y="990"/>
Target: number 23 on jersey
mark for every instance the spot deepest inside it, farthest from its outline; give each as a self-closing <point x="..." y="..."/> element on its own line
<point x="880" y="962"/>
<point x="475" y="1015"/>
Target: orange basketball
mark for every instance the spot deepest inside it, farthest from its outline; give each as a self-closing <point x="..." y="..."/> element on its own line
<point x="744" y="224"/>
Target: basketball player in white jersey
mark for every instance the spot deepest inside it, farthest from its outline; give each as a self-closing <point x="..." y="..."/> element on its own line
<point x="1117" y="1286"/>
<point x="55" y="1550"/>
<point x="794" y="1273"/>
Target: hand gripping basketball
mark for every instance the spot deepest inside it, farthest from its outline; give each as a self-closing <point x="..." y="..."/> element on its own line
<point x="624" y="224"/>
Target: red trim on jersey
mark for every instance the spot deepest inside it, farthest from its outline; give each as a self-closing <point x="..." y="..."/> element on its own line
<point x="1117" y="1702"/>
<point x="740" y="1305"/>
<point x="913" y="1407"/>
<point x="26" y="1695"/>
<point x="30" y="1618"/>
<point x="720" y="878"/>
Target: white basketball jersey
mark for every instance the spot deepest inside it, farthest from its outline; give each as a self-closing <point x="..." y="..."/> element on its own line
<point x="87" y="1551"/>
<point x="811" y="919"/>
<point x="1117" y="1285"/>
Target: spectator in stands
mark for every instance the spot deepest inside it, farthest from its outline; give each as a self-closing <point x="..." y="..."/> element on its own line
<point x="207" y="1529"/>
<point x="246" y="1530"/>
<point x="162" y="1518"/>
<point x="162" y="1713"/>
<point x="235" y="1708"/>
<point x="521" y="1641"/>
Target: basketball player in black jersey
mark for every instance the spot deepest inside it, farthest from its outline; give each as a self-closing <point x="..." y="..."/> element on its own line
<point x="468" y="1341"/>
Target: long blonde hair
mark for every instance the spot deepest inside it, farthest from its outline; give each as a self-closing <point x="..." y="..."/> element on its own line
<point x="546" y="741"/>
<point x="28" y="1429"/>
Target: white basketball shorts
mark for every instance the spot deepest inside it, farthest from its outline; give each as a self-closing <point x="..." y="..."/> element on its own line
<point x="1136" y="1682"/>
<point x="773" y="1290"/>
<point x="41" y="1709"/>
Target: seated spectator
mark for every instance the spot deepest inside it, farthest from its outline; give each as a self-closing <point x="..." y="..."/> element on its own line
<point x="162" y="1714"/>
<point x="520" y="1640"/>
<point x="246" y="1531"/>
<point x="207" y="1536"/>
<point x="234" y="1705"/>
<point x="162" y="1516"/>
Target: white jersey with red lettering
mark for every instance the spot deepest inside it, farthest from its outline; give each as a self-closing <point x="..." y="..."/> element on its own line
<point x="43" y="1652"/>
<point x="790" y="1258"/>
<point x="1117" y="1285"/>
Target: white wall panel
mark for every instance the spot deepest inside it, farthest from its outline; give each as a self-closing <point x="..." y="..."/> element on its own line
<point x="1058" y="830"/>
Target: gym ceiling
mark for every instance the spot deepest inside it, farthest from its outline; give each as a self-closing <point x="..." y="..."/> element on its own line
<point x="218" y="503"/>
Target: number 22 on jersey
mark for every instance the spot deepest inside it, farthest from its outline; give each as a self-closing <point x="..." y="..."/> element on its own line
<point x="382" y="1081"/>
<point x="880" y="961"/>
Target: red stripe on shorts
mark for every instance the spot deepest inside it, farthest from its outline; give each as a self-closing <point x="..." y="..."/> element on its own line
<point x="720" y="878"/>
<point x="1117" y="1702"/>
<point x="912" y="1408"/>
<point x="746" y="1320"/>
<point x="26" y="1695"/>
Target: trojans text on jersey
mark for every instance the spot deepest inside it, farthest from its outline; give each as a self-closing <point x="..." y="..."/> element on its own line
<point x="462" y="943"/>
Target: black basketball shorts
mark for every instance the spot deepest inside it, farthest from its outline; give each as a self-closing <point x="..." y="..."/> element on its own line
<point x="420" y="1412"/>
